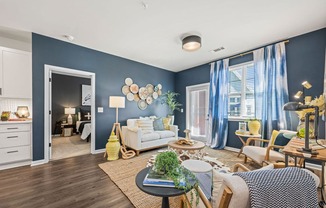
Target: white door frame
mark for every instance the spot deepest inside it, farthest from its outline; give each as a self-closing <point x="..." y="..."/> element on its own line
<point x="48" y="70"/>
<point x="188" y="89"/>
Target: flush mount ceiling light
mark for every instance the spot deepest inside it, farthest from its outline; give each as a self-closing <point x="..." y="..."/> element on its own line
<point x="191" y="43"/>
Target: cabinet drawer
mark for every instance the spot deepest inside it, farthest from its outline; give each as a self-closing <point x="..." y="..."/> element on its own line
<point x="15" y="127"/>
<point x="13" y="154"/>
<point x="14" y="139"/>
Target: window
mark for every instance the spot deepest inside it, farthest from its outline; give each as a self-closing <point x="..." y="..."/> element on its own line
<point x="241" y="91"/>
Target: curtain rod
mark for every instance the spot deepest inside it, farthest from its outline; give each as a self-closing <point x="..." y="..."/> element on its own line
<point x="249" y="52"/>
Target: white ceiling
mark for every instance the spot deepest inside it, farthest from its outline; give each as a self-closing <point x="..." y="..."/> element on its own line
<point x="153" y="35"/>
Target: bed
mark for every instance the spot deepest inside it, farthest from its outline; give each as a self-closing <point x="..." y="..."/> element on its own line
<point x="85" y="129"/>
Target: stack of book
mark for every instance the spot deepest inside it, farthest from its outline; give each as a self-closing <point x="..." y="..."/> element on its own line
<point x="155" y="179"/>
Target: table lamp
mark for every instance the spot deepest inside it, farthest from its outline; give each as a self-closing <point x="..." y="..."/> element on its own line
<point x="117" y="102"/>
<point x="70" y="111"/>
<point x="295" y="106"/>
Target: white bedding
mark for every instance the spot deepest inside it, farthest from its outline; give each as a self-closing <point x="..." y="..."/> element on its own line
<point x="86" y="131"/>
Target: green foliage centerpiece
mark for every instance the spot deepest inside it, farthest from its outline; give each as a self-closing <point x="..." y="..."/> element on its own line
<point x="167" y="163"/>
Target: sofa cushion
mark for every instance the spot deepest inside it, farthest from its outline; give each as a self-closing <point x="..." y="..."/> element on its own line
<point x="150" y="137"/>
<point x="132" y="123"/>
<point x="165" y="134"/>
<point x="258" y="154"/>
<point x="166" y="123"/>
<point x="146" y="126"/>
<point x="158" y="124"/>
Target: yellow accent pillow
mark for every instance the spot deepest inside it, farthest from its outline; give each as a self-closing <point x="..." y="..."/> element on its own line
<point x="166" y="123"/>
<point x="273" y="137"/>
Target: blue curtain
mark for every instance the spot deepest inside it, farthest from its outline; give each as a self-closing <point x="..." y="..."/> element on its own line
<point x="271" y="88"/>
<point x="218" y="104"/>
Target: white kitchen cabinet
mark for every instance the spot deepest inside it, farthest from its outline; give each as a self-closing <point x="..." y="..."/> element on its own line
<point x="15" y="73"/>
<point x="15" y="144"/>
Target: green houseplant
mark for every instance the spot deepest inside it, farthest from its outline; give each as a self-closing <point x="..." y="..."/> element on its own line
<point x="172" y="103"/>
<point x="167" y="163"/>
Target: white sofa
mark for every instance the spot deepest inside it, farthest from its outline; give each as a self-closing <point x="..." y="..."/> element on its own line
<point x="136" y="139"/>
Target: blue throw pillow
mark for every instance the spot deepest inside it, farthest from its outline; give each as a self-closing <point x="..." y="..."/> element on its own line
<point x="158" y="124"/>
<point x="281" y="140"/>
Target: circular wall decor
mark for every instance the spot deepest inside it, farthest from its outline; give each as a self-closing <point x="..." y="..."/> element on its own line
<point x="136" y="97"/>
<point x="130" y="96"/>
<point x="155" y="95"/>
<point x="125" y="89"/>
<point x="128" y="81"/>
<point x="149" y="100"/>
<point x="143" y="93"/>
<point x="159" y="86"/>
<point x="150" y="89"/>
<point x="134" y="88"/>
<point x="142" y="105"/>
<point x="159" y="92"/>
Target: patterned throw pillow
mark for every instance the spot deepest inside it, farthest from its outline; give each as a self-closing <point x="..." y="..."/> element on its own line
<point x="281" y="140"/>
<point x="158" y="124"/>
<point x="146" y="126"/>
<point x="166" y="123"/>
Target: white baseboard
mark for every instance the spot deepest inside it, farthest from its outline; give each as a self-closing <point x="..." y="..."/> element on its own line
<point x="14" y="165"/>
<point x="38" y="162"/>
<point x="98" y="151"/>
<point x="232" y="149"/>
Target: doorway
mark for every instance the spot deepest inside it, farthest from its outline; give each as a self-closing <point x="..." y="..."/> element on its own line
<point x="68" y="127"/>
<point x="197" y="111"/>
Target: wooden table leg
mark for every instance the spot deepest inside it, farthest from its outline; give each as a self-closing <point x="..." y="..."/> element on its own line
<point x="165" y="202"/>
<point x="243" y="143"/>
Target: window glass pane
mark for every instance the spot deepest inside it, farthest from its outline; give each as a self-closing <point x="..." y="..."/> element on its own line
<point x="237" y="87"/>
<point x="198" y="112"/>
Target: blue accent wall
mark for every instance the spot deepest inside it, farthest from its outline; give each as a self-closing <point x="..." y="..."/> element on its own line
<point x="110" y="71"/>
<point x="305" y="61"/>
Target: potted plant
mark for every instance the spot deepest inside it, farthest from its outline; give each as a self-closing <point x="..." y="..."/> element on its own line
<point x="254" y="126"/>
<point x="173" y="104"/>
<point x="167" y="163"/>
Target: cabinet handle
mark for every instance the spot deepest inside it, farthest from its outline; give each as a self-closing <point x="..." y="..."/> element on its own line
<point x="0" y="91"/>
<point x="12" y="128"/>
<point x="12" y="151"/>
<point x="11" y="137"/>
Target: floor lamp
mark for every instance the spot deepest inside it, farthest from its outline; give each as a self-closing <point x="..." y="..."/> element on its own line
<point x="119" y="102"/>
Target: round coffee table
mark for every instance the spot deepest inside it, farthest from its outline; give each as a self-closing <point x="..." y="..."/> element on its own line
<point x="163" y="192"/>
<point x="192" y="151"/>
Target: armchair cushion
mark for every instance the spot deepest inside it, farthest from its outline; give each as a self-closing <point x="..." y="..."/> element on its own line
<point x="258" y="154"/>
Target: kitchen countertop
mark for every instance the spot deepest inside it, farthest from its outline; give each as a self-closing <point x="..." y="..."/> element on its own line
<point x="15" y="122"/>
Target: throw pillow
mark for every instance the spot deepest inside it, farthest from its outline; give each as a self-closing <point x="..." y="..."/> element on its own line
<point x="281" y="140"/>
<point x="158" y="124"/>
<point x="146" y="126"/>
<point x="273" y="137"/>
<point x="166" y="123"/>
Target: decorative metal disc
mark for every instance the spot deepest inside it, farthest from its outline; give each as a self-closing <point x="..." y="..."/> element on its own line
<point x="159" y="86"/>
<point x="143" y="93"/>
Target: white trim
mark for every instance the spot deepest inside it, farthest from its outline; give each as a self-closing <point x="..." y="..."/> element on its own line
<point x="98" y="151"/>
<point x="48" y="70"/>
<point x="232" y="149"/>
<point x="14" y="165"/>
<point x="38" y="162"/>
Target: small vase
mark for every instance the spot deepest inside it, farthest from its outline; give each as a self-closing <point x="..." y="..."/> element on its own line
<point x="254" y="127"/>
<point x="113" y="147"/>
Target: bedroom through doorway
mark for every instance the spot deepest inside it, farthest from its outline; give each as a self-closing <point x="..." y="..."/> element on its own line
<point x="69" y="112"/>
<point x="71" y="116"/>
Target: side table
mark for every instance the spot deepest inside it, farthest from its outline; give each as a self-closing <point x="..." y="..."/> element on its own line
<point x="246" y="135"/>
<point x="189" y="150"/>
<point x="163" y="192"/>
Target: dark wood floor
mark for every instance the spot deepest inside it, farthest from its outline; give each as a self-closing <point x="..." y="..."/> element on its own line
<point x="73" y="182"/>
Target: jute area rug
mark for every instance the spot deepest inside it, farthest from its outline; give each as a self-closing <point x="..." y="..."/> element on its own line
<point x="123" y="174"/>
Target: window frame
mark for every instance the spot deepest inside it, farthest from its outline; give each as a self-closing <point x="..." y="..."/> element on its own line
<point x="242" y="66"/>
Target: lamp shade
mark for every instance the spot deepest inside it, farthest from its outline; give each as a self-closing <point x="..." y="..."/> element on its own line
<point x="117" y="102"/>
<point x="191" y="43"/>
<point x="70" y="111"/>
